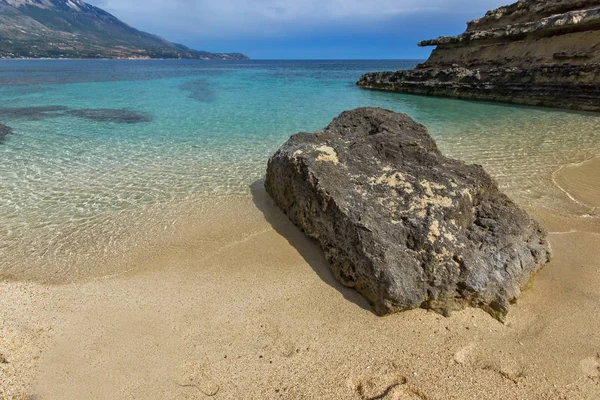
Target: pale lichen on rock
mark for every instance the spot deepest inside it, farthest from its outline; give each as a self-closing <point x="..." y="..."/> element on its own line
<point x="327" y="154"/>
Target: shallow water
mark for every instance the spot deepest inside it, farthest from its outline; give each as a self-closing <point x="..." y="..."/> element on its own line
<point x="105" y="156"/>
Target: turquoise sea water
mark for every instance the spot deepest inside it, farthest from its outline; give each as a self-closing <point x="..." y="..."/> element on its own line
<point x="93" y="141"/>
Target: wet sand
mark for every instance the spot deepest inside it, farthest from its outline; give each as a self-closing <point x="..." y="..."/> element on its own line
<point x="241" y="305"/>
<point x="581" y="182"/>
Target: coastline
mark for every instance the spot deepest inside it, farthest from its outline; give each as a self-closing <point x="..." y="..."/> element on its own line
<point x="158" y="241"/>
<point x="246" y="291"/>
<point x="122" y="59"/>
<point x="184" y="293"/>
<point x="581" y="182"/>
<point x="531" y="52"/>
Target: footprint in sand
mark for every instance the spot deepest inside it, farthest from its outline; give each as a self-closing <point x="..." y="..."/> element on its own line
<point x="193" y="375"/>
<point x="465" y="354"/>
<point x="273" y="340"/>
<point x="384" y="387"/>
<point x="591" y="368"/>
<point x="509" y="369"/>
<point x="189" y="395"/>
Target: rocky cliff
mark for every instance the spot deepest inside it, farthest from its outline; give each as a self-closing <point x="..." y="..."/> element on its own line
<point x="537" y="52"/>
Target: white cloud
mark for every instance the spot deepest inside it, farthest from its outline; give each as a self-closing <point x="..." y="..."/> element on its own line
<point x="274" y="17"/>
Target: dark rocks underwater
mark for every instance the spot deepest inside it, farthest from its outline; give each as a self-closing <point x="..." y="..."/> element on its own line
<point x="200" y="90"/>
<point x="118" y="116"/>
<point x="32" y="113"/>
<point x="4" y="131"/>
<point x="114" y="115"/>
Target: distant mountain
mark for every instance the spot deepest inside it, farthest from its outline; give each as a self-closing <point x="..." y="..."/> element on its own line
<point x="75" y="29"/>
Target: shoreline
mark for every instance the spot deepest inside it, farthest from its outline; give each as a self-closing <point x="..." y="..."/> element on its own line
<point x="121" y="59"/>
<point x="580" y="182"/>
<point x="128" y="283"/>
<point x="248" y="291"/>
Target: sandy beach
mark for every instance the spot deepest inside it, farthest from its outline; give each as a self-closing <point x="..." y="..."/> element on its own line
<point x="241" y="305"/>
<point x="142" y="257"/>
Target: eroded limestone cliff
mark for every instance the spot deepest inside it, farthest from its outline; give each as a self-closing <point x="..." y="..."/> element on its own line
<point x="538" y="52"/>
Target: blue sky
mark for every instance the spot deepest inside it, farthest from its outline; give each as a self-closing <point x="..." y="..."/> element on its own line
<point x="302" y="29"/>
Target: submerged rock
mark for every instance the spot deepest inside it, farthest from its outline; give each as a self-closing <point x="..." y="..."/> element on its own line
<point x="401" y="223"/>
<point x="537" y="52"/>
<point x="4" y="131"/>
<point x="200" y="90"/>
<point x="119" y="116"/>
<point x="32" y="113"/>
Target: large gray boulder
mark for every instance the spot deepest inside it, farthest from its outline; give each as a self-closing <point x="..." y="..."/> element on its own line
<point x="401" y="223"/>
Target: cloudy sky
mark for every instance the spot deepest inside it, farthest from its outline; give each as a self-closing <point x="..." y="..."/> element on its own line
<point x="300" y="29"/>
